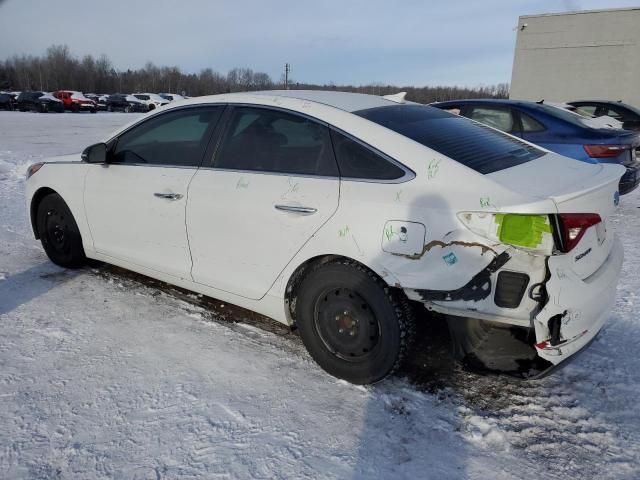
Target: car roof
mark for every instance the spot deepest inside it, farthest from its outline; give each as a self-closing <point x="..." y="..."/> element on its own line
<point x="349" y="102"/>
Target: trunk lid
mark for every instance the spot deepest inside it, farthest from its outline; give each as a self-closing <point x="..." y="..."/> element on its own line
<point x="574" y="187"/>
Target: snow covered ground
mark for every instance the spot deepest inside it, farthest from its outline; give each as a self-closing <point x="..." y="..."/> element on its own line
<point x="102" y="375"/>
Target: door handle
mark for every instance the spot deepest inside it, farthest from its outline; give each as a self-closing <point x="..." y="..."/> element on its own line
<point x="296" y="209"/>
<point x="168" y="196"/>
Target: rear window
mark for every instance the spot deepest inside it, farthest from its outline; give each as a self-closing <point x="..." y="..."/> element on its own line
<point x="475" y="145"/>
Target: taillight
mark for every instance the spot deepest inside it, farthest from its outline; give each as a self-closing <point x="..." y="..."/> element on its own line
<point x="604" y="151"/>
<point x="573" y="226"/>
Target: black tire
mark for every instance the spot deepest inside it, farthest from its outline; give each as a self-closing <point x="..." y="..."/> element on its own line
<point x="44" y="108"/>
<point x="353" y="325"/>
<point x="59" y="233"/>
<point x="75" y="108"/>
<point x="109" y="108"/>
<point x="93" y="110"/>
<point x="128" y="109"/>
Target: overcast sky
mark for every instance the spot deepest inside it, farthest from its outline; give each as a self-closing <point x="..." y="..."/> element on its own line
<point x="411" y="42"/>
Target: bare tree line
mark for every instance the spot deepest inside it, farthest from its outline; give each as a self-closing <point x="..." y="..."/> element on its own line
<point x="59" y="69"/>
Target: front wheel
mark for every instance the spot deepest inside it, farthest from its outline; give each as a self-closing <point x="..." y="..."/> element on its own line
<point x="59" y="232"/>
<point x="353" y="325"/>
<point x="127" y="109"/>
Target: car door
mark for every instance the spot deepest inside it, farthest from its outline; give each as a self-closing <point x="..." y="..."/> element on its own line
<point x="272" y="184"/>
<point x="135" y="203"/>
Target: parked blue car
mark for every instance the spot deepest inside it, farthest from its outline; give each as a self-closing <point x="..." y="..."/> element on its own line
<point x="557" y="130"/>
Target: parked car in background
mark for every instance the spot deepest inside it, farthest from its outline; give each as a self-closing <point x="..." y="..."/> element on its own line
<point x="75" y="101"/>
<point x="172" y="97"/>
<point x="99" y="100"/>
<point x="331" y="210"/>
<point x="7" y="101"/>
<point x="38" y="102"/>
<point x="152" y="100"/>
<point x="594" y="122"/>
<point x="557" y="130"/>
<point x="125" y="103"/>
<point x="625" y="113"/>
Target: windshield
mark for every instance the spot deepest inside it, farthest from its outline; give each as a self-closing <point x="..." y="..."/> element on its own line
<point x="477" y="146"/>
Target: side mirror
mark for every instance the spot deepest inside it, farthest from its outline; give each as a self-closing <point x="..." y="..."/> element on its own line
<point x="95" y="153"/>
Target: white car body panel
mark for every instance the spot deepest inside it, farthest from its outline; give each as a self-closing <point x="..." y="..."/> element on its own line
<point x="230" y="251"/>
<point x="128" y="221"/>
<point x="244" y="251"/>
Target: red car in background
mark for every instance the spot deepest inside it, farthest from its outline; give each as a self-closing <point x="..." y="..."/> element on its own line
<point x="75" y="101"/>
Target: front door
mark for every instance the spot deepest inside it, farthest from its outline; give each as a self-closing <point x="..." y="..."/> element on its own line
<point x="273" y="184"/>
<point x="135" y="203"/>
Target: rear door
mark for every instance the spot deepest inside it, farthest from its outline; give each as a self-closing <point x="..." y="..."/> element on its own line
<point x="273" y="183"/>
<point x="135" y="204"/>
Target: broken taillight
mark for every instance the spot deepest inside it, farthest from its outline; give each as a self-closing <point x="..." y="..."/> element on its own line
<point x="573" y="226"/>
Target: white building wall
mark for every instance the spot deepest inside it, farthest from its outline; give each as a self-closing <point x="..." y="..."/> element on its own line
<point x="578" y="55"/>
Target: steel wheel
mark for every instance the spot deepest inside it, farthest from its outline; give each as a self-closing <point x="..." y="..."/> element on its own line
<point x="346" y="324"/>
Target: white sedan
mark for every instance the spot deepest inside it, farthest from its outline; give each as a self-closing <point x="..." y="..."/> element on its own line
<point x="151" y="100"/>
<point x="332" y="212"/>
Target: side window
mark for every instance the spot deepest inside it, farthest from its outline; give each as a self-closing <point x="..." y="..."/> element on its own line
<point x="357" y="161"/>
<point x="174" y="138"/>
<point x="586" y="110"/>
<point x="455" y="109"/>
<point x="265" y="140"/>
<point x="529" y="124"/>
<point x="500" y="118"/>
<point x="615" y="113"/>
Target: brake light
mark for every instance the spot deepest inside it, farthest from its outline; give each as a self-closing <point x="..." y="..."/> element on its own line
<point x="604" y="151"/>
<point x="573" y="226"/>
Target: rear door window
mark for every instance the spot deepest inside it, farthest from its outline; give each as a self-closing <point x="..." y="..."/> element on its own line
<point x="472" y="144"/>
<point x="267" y="140"/>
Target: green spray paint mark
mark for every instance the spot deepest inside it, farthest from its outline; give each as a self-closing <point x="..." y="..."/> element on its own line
<point x="343" y="231"/>
<point x="522" y="230"/>
<point x="389" y="233"/>
<point x="432" y="168"/>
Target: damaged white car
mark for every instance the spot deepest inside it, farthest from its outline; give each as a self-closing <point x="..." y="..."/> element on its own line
<point x="330" y="211"/>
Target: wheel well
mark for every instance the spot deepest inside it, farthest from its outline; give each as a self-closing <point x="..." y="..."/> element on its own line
<point x="296" y="278"/>
<point x="35" y="202"/>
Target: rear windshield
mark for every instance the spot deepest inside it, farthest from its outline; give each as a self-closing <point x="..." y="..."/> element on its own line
<point x="475" y="145"/>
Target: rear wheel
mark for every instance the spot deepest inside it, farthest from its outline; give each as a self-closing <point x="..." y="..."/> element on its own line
<point x="353" y="325"/>
<point x="59" y="232"/>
